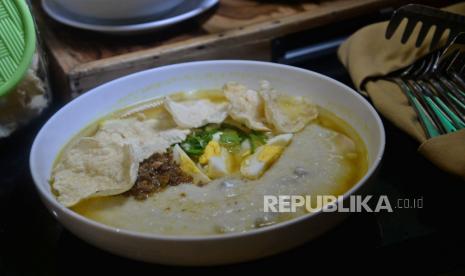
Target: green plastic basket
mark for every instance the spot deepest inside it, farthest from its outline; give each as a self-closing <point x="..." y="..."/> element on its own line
<point x="17" y="43"/>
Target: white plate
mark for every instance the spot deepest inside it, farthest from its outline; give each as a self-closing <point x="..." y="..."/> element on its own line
<point x="162" y="81"/>
<point x="185" y="11"/>
<point x="134" y="10"/>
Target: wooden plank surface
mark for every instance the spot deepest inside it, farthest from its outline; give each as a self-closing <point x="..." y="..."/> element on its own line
<point x="235" y="29"/>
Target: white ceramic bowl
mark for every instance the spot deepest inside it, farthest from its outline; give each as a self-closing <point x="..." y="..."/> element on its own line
<point x="118" y="9"/>
<point x="201" y="250"/>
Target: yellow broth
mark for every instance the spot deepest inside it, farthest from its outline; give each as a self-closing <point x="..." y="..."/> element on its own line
<point x="109" y="210"/>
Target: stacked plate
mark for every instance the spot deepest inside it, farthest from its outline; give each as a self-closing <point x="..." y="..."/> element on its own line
<point x="124" y="17"/>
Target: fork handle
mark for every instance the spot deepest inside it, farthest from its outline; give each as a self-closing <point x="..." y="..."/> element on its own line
<point x="446" y="123"/>
<point x="428" y="126"/>
<point x="431" y="130"/>
<point x="455" y="119"/>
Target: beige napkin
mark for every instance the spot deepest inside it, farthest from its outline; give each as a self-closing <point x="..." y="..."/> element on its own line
<point x="367" y="54"/>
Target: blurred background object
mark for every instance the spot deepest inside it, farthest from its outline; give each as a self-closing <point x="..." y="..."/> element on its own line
<point x="429" y="18"/>
<point x="120" y="10"/>
<point x="234" y="29"/>
<point x="132" y="23"/>
<point x="24" y="88"/>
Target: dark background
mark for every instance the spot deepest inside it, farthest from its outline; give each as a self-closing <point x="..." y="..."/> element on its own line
<point x="423" y="241"/>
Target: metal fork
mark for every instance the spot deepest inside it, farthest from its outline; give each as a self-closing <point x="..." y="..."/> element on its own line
<point x="455" y="66"/>
<point x="429" y="17"/>
<point x="429" y="125"/>
<point x="451" y="68"/>
<point x="438" y="90"/>
<point x="424" y="85"/>
<point x="429" y="84"/>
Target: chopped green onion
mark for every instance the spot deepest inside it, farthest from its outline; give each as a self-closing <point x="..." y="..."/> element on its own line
<point x="256" y="139"/>
<point x="195" y="143"/>
<point x="231" y="138"/>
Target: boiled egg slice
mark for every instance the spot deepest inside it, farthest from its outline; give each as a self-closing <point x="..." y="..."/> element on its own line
<point x="253" y="166"/>
<point x="188" y="166"/>
<point x="246" y="149"/>
<point x="212" y="149"/>
<point x="216" y="158"/>
<point x="219" y="165"/>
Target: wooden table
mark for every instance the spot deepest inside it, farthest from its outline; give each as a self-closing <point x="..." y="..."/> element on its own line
<point x="235" y="29"/>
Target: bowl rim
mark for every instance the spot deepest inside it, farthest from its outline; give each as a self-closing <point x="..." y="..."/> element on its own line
<point x="48" y="196"/>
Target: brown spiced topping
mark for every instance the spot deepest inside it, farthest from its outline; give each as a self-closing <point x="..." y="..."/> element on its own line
<point x="155" y="174"/>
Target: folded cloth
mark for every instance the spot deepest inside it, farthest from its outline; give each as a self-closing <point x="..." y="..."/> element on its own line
<point x="367" y="54"/>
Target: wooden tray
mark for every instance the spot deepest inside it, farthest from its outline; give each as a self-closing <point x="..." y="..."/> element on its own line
<point x="235" y="29"/>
